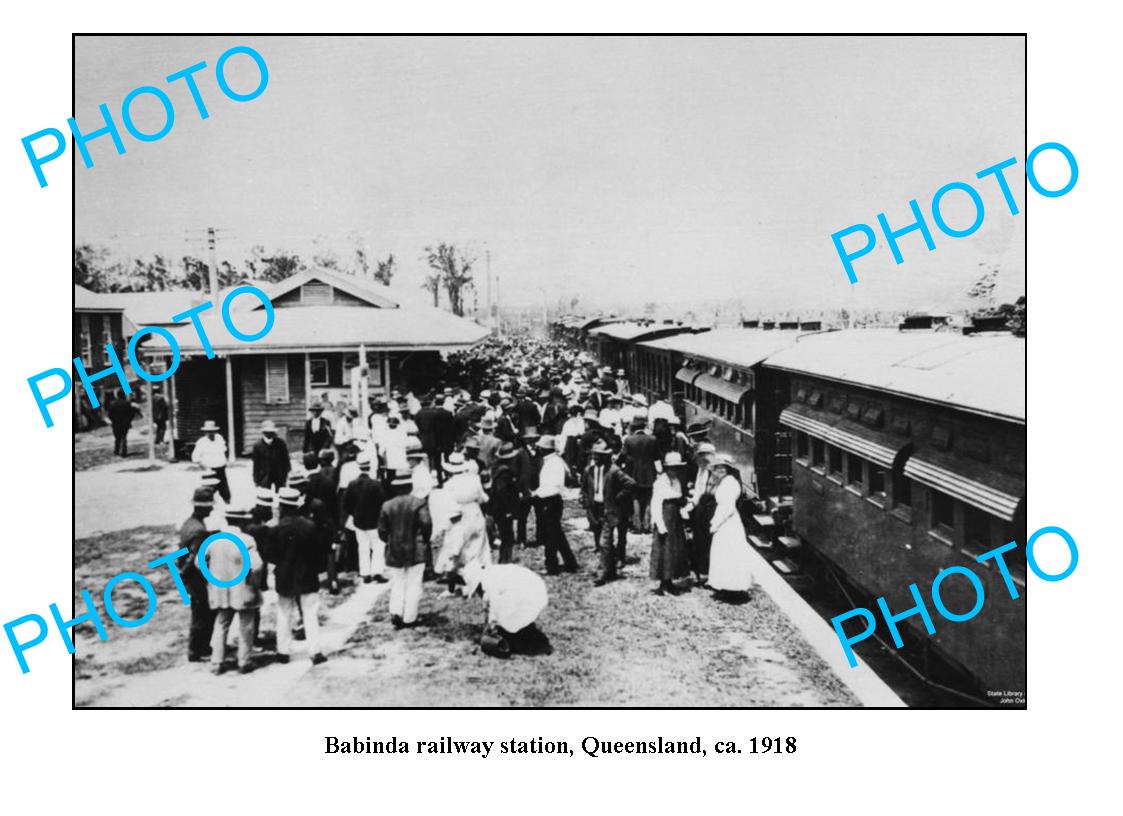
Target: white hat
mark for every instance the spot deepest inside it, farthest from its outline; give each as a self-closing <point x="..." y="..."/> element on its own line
<point x="209" y="425"/>
<point x="455" y="463"/>
<point x="289" y="496"/>
<point x="268" y="425"/>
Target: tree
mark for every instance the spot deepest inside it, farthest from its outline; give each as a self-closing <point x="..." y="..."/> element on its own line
<point x="453" y="270"/>
<point x="982" y="293"/>
<point x="433" y="285"/>
<point x="1017" y="321"/>
<point x="278" y="266"/>
<point x="90" y="267"/>
<point x="385" y="272"/>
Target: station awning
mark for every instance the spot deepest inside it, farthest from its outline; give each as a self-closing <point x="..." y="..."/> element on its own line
<point x="879" y="448"/>
<point x="722" y="388"/>
<point x="687" y="374"/>
<point x="976" y="485"/>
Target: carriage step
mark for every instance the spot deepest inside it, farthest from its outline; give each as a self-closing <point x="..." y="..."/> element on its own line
<point x="790" y="542"/>
<point x="760" y="543"/>
<point x="764" y="521"/>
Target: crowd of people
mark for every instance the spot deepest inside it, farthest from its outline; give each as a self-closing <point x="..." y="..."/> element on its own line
<point x="444" y="487"/>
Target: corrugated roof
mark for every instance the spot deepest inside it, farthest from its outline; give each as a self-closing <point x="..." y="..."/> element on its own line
<point x="86" y="300"/>
<point x="982" y="372"/>
<point x="310" y="327"/>
<point x="631" y="330"/>
<point x="731" y="345"/>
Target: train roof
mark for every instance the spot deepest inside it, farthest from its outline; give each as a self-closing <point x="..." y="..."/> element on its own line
<point x="732" y="345"/>
<point x="984" y="373"/>
<point x="634" y="329"/>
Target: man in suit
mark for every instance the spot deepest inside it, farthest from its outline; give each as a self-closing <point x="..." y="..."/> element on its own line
<point x="437" y="432"/>
<point x="405" y="525"/>
<point x="192" y="534"/>
<point x="527" y="410"/>
<point x="160" y="417"/>
<point x="270" y="458"/>
<point x="525" y="464"/>
<point x="318" y="433"/>
<point x="298" y="553"/>
<point x="507" y="427"/>
<point x="608" y="491"/>
<point x="121" y="413"/>
<point x="362" y="505"/>
<point x="322" y="516"/>
<point x="505" y="502"/>
<point x="640" y="452"/>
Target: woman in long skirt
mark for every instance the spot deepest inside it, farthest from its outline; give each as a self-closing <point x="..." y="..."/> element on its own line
<point x="731" y="564"/>
<point x="669" y="557"/>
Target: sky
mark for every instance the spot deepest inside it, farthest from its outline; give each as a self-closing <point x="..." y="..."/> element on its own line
<point x="623" y="170"/>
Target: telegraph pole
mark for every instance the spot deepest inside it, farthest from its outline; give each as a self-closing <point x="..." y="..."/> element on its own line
<point x="213" y="274"/>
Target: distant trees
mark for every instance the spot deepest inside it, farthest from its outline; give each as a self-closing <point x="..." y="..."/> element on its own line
<point x="452" y="270"/>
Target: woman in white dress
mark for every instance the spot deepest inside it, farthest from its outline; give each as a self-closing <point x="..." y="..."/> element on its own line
<point x="731" y="565"/>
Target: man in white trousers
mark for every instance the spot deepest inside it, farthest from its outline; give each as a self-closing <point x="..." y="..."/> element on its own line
<point x="405" y="525"/>
<point x="362" y="506"/>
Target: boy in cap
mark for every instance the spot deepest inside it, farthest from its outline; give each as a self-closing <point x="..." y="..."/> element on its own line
<point x="404" y="524"/>
<point x="224" y="559"/>
<point x="298" y="556"/>
<point x="192" y="535"/>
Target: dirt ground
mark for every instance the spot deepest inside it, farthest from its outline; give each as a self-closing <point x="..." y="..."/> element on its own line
<point x="617" y="645"/>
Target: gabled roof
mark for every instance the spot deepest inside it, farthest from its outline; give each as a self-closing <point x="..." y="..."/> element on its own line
<point x="371" y="292"/>
<point x="982" y="373"/>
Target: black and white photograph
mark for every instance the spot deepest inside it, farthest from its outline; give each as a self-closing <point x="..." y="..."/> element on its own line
<point x="550" y="371"/>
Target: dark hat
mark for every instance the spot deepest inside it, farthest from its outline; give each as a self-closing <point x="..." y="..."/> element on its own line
<point x="327" y="455"/>
<point x="203" y="497"/>
<point x="317" y="408"/>
<point x="506" y="451"/>
<point x="238" y="512"/>
<point x="600" y="447"/>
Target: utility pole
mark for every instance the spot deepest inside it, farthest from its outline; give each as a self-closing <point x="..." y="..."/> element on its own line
<point x="498" y="319"/>
<point x="490" y="312"/>
<point x="213" y="274"/>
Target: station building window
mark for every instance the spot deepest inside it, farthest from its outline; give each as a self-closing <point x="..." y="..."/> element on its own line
<point x="978" y="537"/>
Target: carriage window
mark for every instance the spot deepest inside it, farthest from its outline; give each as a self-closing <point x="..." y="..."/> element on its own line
<point x="877" y="483"/>
<point x="802" y="449"/>
<point x="943" y="512"/>
<point x="817" y="455"/>
<point x="853" y="470"/>
<point x="977" y="529"/>
<point x="834" y="461"/>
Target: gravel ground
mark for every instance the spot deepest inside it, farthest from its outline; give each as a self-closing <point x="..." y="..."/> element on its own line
<point x="617" y="645"/>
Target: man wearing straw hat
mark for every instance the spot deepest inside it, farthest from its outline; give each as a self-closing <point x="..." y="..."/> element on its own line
<point x="505" y="503"/>
<point x="404" y="524"/>
<point x="192" y="535"/>
<point x="298" y="555"/>
<point x="607" y="491"/>
<point x="362" y="505"/>
<point x="224" y="560"/>
<point x="548" y="494"/>
<point x="210" y="452"/>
